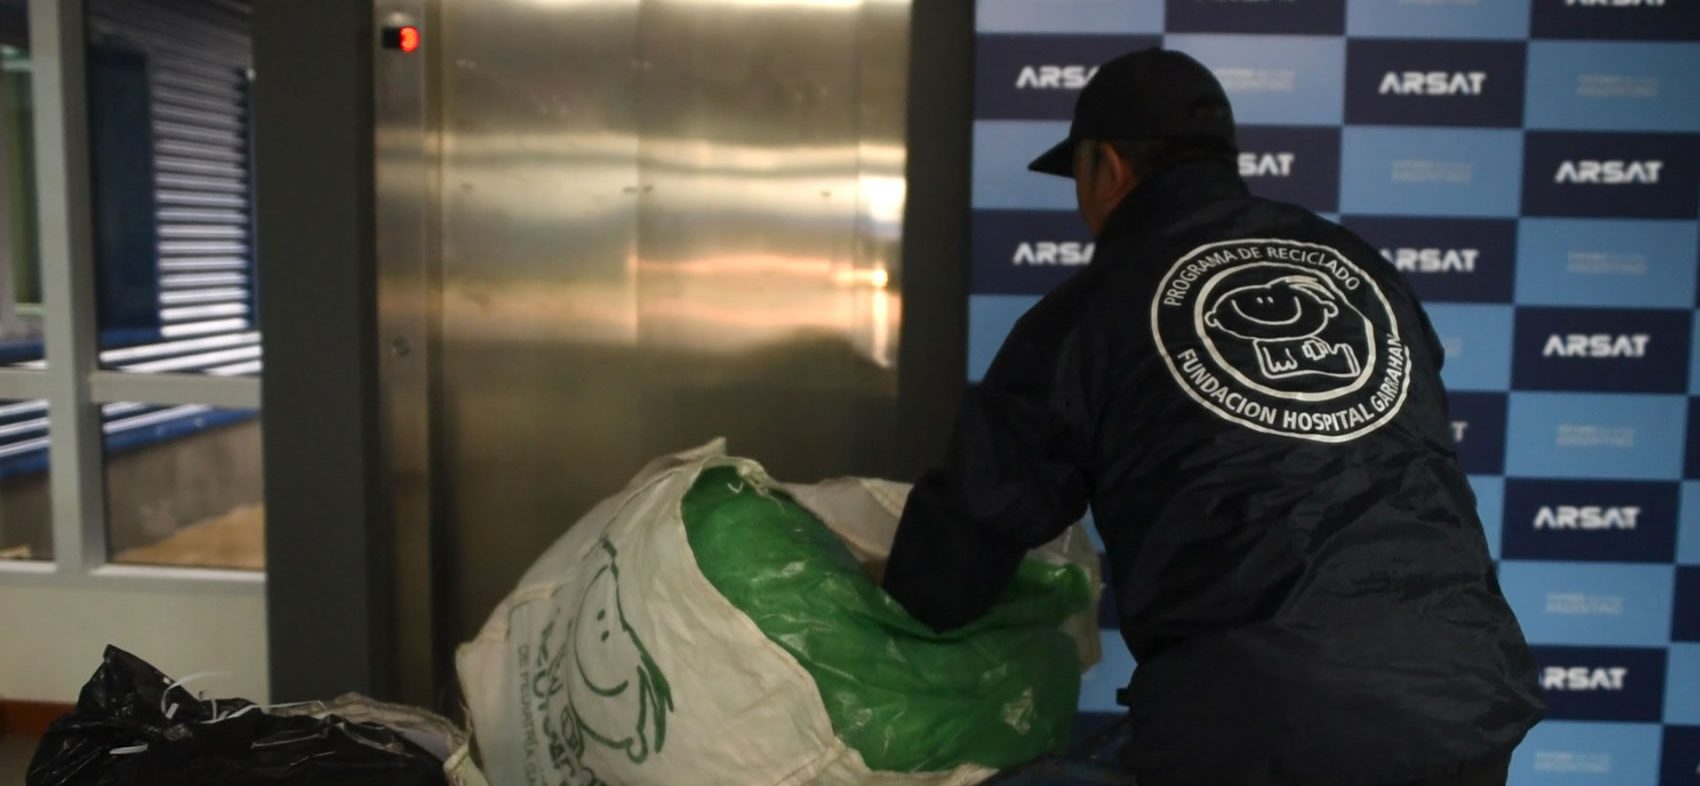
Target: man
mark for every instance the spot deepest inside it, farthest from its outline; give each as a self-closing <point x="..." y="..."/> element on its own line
<point x="1248" y="398"/>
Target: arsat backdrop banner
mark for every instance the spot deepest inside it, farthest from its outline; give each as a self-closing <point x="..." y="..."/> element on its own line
<point x="1533" y="167"/>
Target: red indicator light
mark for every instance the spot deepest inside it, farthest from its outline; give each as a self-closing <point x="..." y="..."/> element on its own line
<point x="409" y="39"/>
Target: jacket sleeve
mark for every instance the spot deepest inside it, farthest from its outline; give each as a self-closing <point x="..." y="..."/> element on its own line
<point x="1011" y="480"/>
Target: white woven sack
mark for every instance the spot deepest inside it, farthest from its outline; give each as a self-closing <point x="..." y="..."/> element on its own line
<point x="615" y="662"/>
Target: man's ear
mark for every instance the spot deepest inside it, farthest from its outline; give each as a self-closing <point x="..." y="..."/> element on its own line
<point x="1085" y="160"/>
<point x="1118" y="177"/>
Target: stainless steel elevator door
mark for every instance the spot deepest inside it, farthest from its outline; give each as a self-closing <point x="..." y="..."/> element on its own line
<point x="659" y="221"/>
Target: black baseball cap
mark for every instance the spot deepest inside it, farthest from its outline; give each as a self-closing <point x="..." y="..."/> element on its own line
<point x="1148" y="94"/>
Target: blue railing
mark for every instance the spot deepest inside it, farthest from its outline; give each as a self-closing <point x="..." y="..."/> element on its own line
<point x="129" y="426"/>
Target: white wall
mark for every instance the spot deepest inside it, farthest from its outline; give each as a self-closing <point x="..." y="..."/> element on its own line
<point x="51" y="638"/>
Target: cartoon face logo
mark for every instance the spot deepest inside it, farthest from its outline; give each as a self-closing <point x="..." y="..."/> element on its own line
<point x="599" y="685"/>
<point x="1284" y="319"/>
<point x="613" y="665"/>
<point x="1282" y="337"/>
<point x="1288" y="307"/>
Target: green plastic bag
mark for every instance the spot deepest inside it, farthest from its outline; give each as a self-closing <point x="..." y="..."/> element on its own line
<point x="998" y="692"/>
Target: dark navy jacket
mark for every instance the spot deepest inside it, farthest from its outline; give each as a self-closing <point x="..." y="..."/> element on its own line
<point x="1248" y="399"/>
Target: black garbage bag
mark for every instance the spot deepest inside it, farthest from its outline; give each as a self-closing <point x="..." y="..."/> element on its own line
<point x="134" y="727"/>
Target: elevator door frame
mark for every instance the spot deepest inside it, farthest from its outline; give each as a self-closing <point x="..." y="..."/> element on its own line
<point x="350" y="598"/>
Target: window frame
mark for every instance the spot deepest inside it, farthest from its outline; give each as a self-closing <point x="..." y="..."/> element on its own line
<point x="73" y="383"/>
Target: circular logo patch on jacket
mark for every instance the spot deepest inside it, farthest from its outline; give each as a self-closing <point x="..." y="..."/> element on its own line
<point x="1282" y="337"/>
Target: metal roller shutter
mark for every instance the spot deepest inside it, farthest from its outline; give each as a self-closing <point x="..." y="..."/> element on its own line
<point x="199" y="67"/>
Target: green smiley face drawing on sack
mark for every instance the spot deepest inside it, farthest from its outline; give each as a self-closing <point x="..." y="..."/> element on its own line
<point x="600" y="668"/>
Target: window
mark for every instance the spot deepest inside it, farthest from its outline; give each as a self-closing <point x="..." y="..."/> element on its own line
<point x="26" y="518"/>
<point x="137" y="340"/>
<point x="169" y="149"/>
<point x="25" y="511"/>
<point x="174" y="280"/>
<point x="20" y="281"/>
<point x="183" y="486"/>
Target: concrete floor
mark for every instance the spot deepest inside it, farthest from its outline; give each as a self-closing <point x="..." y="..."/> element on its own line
<point x="156" y="493"/>
<point x="234" y="540"/>
<point x="15" y="755"/>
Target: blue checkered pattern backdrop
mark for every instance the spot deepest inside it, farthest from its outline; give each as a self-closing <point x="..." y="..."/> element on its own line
<point x="1533" y="166"/>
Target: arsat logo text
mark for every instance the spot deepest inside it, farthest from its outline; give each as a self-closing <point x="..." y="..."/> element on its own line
<point x="1610" y="173"/>
<point x="1054" y="77"/>
<point x="1586" y="517"/>
<point x="1433" y="260"/>
<point x="1433" y="83"/>
<point x="1596" y="345"/>
<point x="1582" y="678"/>
<point x="1047" y="253"/>
<point x="1615" y="3"/>
<point x="1266" y="164"/>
